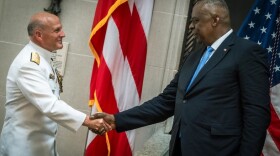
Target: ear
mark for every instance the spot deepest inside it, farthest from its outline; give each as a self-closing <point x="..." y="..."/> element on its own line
<point x="38" y="34"/>
<point x="216" y="20"/>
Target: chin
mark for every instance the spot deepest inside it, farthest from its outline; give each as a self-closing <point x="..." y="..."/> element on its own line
<point x="198" y="40"/>
<point x="60" y="46"/>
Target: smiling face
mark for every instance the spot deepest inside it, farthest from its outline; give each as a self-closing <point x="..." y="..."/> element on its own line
<point x="46" y="31"/>
<point x="52" y="34"/>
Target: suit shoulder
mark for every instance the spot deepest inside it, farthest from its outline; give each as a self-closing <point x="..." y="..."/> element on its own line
<point x="35" y="57"/>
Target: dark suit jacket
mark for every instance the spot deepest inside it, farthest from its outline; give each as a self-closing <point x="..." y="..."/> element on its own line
<point x="226" y="110"/>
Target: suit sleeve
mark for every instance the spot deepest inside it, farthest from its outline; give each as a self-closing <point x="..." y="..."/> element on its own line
<point x="255" y="100"/>
<point x="36" y="89"/>
<point x="153" y="111"/>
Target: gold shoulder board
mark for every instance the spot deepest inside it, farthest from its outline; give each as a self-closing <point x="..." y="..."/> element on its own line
<point x="35" y="57"/>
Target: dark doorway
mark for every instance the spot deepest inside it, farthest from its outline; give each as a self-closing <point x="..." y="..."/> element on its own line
<point x="238" y="11"/>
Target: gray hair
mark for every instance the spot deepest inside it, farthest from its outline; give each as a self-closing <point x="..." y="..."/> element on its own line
<point x="220" y="5"/>
<point x="34" y="24"/>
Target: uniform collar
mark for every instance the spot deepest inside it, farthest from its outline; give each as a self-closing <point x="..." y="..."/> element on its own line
<point x="42" y="52"/>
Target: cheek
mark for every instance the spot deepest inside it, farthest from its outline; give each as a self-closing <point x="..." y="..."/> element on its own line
<point x="199" y="29"/>
<point x="203" y="29"/>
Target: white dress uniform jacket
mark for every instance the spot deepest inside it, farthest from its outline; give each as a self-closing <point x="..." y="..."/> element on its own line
<point x="33" y="107"/>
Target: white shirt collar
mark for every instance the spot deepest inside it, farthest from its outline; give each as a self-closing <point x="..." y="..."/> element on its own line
<point x="218" y="42"/>
<point x="43" y="52"/>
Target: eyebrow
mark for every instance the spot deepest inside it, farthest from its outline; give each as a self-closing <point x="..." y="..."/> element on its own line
<point x="194" y="18"/>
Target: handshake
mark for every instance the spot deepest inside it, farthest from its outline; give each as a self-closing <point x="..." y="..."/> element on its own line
<point x="100" y="123"/>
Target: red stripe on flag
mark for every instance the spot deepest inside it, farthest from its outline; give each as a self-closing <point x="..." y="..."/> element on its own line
<point x="133" y="42"/>
<point x="97" y="40"/>
<point x="102" y="9"/>
<point x="93" y="80"/>
<point x="274" y="127"/>
<point x="104" y="89"/>
<point x="97" y="147"/>
<point x="105" y="95"/>
<point x="119" y="145"/>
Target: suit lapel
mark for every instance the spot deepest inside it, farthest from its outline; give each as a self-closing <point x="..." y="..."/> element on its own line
<point x="190" y="66"/>
<point x="219" y="54"/>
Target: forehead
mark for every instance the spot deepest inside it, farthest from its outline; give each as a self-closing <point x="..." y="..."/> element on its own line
<point x="199" y="10"/>
<point x="53" y="23"/>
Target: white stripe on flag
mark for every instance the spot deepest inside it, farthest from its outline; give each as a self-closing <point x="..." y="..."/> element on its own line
<point x="145" y="8"/>
<point x="123" y="82"/>
<point x="91" y="135"/>
<point x="275" y="98"/>
<point x="270" y="148"/>
<point x="124" y="86"/>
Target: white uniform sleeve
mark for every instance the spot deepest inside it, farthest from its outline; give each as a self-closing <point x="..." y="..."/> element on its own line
<point x="36" y="89"/>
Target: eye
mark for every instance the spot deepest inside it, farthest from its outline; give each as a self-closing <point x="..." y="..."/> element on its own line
<point x="57" y="30"/>
<point x="194" y="20"/>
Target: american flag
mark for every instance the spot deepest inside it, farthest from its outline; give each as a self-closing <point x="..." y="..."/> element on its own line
<point x="119" y="44"/>
<point x="262" y="25"/>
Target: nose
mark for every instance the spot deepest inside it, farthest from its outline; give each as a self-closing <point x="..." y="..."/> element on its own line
<point x="62" y="34"/>
<point x="191" y="26"/>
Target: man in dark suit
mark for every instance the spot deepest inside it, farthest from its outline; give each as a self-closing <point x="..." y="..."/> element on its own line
<point x="224" y="109"/>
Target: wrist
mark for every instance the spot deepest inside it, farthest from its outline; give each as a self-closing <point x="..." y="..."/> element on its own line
<point x="86" y="121"/>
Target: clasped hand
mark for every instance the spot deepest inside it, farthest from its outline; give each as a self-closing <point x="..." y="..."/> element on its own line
<point x="104" y="123"/>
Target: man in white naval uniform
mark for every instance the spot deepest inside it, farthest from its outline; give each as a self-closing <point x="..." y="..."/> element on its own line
<point x="33" y="106"/>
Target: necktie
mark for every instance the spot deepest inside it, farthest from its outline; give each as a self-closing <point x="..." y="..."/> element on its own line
<point x="202" y="62"/>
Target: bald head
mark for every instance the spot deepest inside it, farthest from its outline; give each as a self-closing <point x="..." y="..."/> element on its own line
<point x="210" y="20"/>
<point x="45" y="30"/>
<point x="39" y="21"/>
<point x="216" y="8"/>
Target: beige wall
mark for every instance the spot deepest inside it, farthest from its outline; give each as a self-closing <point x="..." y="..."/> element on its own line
<point x="164" y="48"/>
